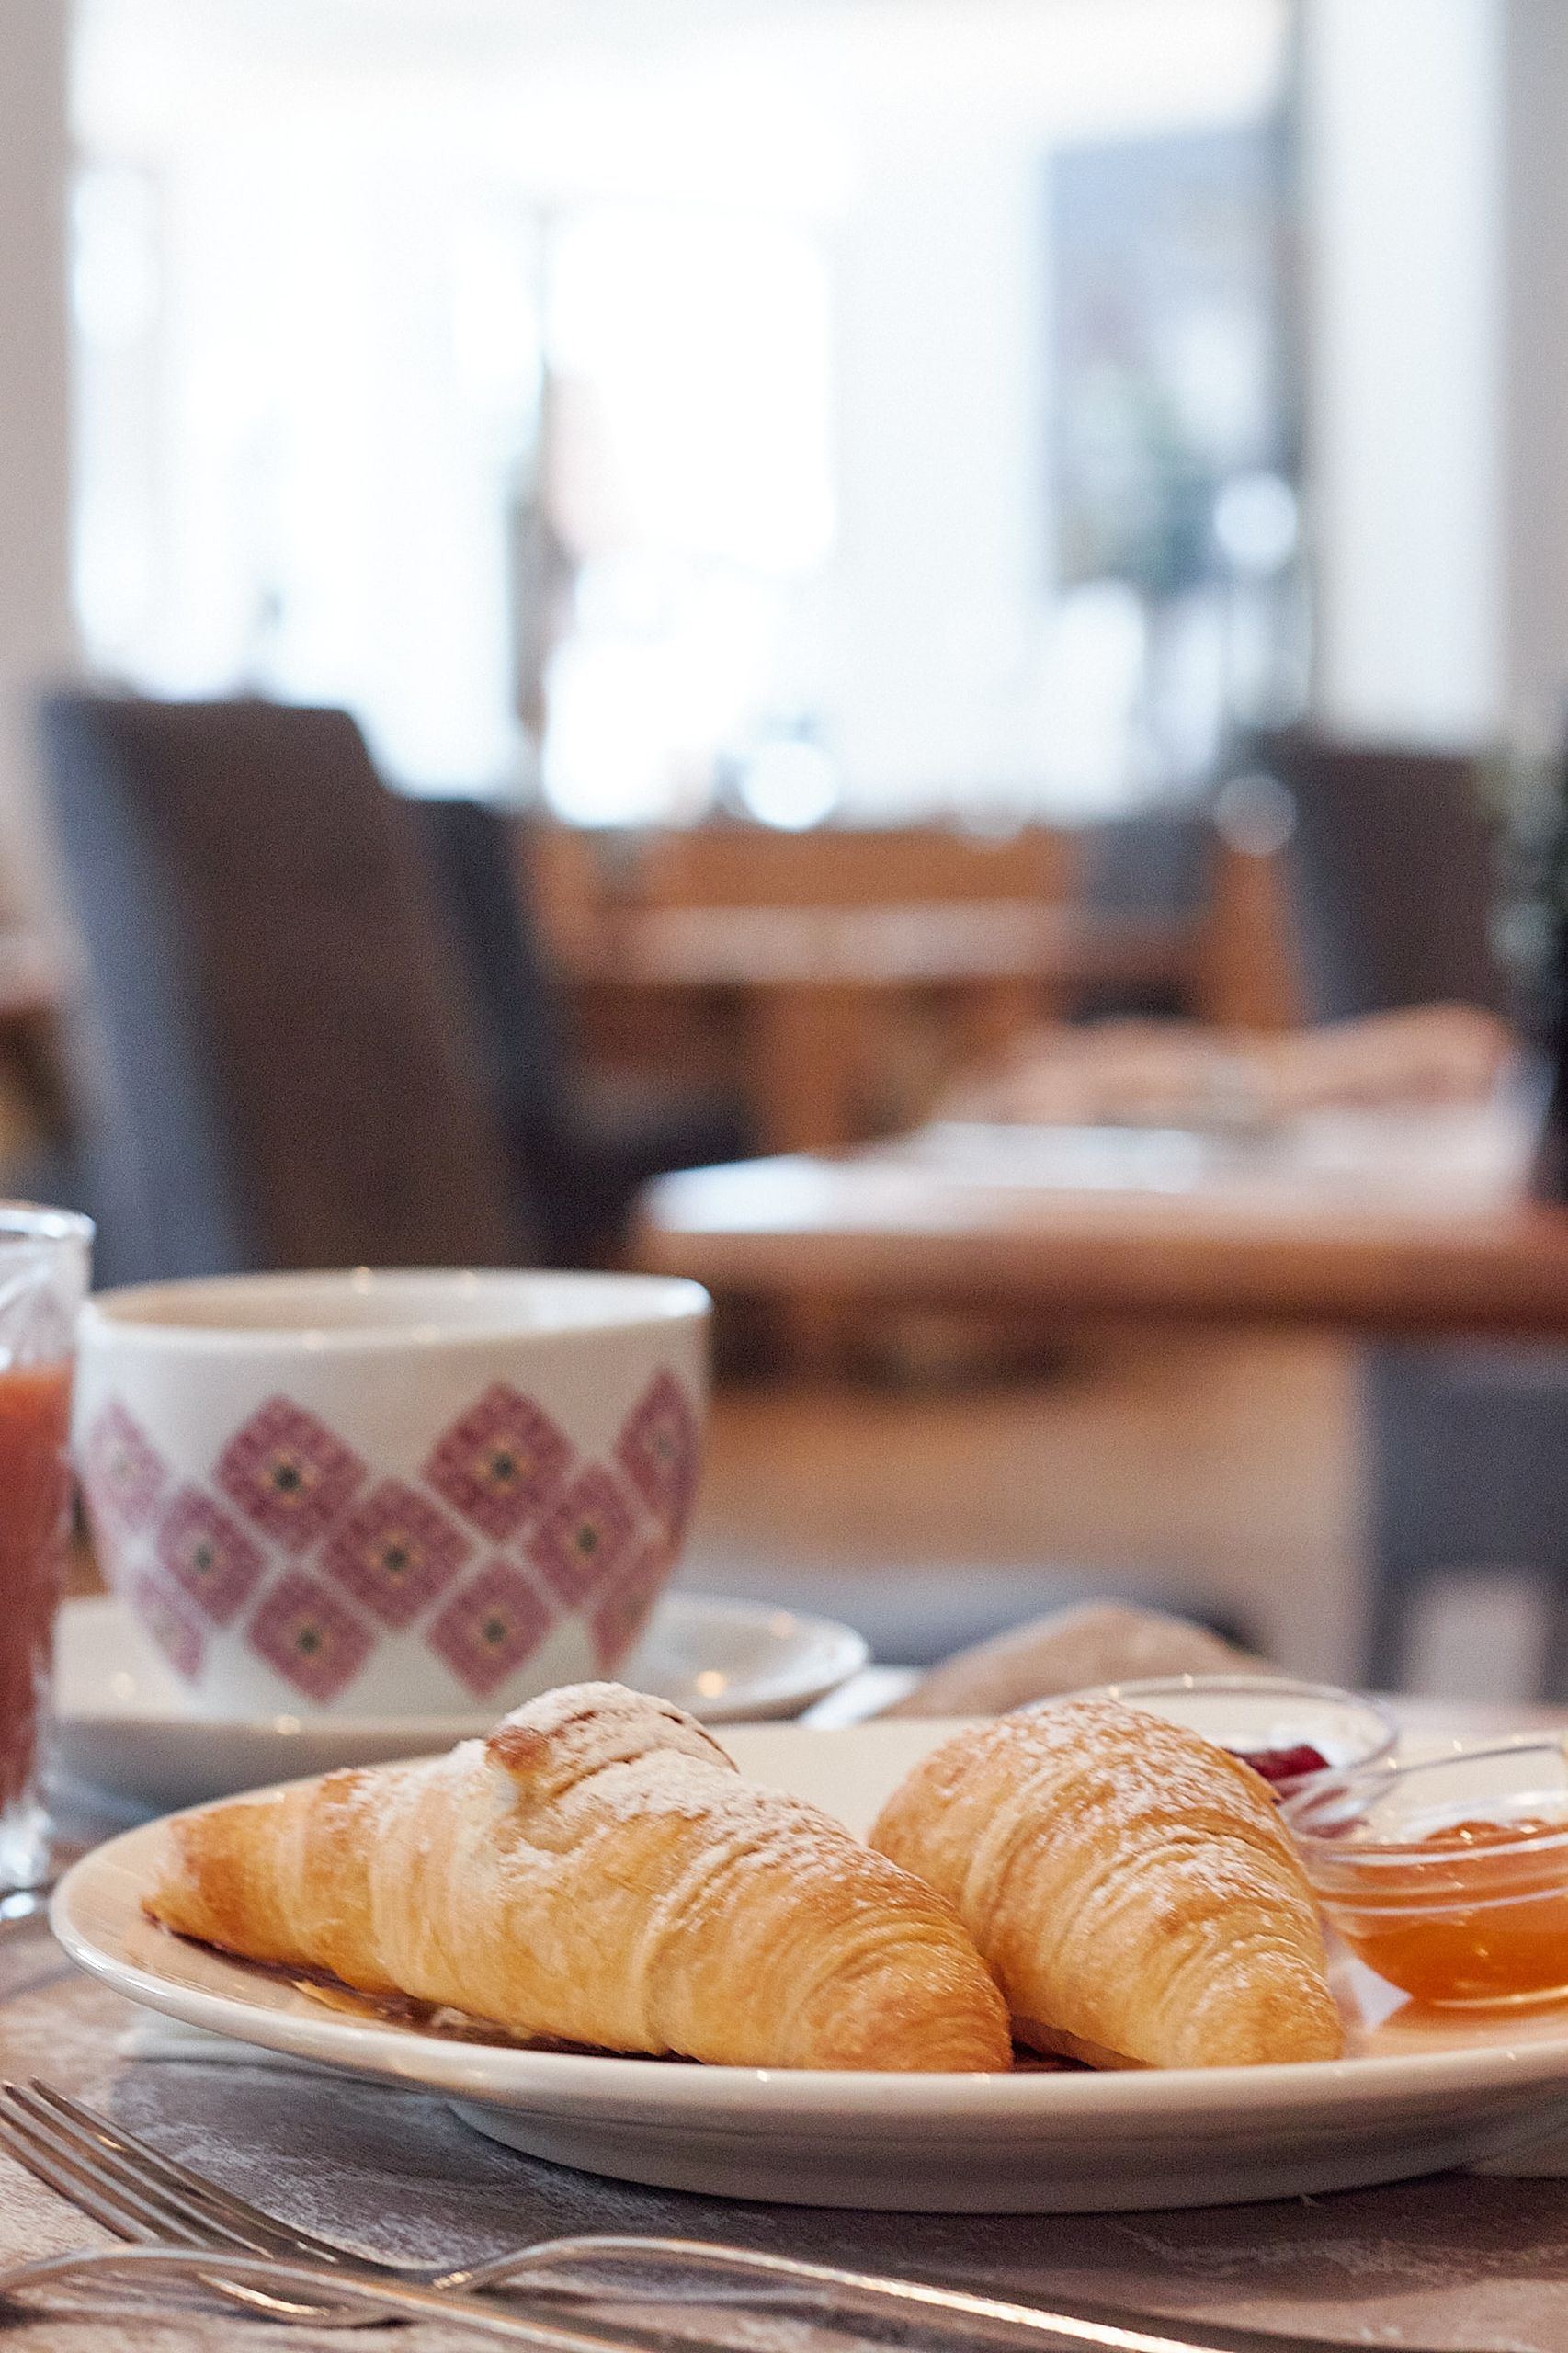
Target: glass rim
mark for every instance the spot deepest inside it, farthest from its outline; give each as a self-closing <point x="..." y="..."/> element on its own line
<point x="36" y="1221"/>
<point x="1229" y="1680"/>
<point x="1130" y="1688"/>
<point x="1361" y="1783"/>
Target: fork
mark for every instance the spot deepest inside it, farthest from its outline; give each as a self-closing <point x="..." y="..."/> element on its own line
<point x="120" y="2180"/>
<point x="360" y="2300"/>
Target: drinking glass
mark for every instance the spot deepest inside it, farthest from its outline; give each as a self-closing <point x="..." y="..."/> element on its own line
<point x="44" y="1259"/>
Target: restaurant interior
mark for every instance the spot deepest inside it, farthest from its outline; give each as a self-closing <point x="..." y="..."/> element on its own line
<point x="920" y="581"/>
<point x="906" y="659"/>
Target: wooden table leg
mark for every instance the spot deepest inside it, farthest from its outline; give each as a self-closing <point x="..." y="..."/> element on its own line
<point x="810" y="1051"/>
<point x="992" y="1014"/>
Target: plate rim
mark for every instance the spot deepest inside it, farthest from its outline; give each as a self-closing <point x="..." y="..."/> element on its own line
<point x="446" y="1731"/>
<point x="602" y="2084"/>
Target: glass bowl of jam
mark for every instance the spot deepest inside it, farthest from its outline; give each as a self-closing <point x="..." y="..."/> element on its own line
<point x="1449" y="1878"/>
<point x="1283" y="1729"/>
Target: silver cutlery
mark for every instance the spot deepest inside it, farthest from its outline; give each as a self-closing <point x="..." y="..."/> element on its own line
<point x="257" y="2279"/>
<point x="376" y="2300"/>
<point x="120" y="2180"/>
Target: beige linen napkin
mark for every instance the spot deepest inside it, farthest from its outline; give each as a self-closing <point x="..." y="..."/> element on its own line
<point x="1178" y="1073"/>
<point x="150" y="2036"/>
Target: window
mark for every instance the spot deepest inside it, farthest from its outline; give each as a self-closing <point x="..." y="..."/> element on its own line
<point x="651" y="408"/>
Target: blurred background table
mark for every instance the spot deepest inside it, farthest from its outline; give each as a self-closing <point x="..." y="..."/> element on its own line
<point x="1225" y="1249"/>
<point x="814" y="979"/>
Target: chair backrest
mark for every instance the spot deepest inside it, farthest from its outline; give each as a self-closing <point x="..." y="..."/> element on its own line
<point x="1392" y="877"/>
<point x="280" y="1069"/>
<point x="479" y="853"/>
<point x="1155" y="864"/>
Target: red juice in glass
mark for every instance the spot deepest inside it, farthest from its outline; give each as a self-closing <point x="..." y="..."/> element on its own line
<point x="35" y="1491"/>
<point x="43" y="1264"/>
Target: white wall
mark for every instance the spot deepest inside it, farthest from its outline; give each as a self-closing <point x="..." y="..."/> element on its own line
<point x="911" y="138"/>
<point x="1535" y="587"/>
<point x="36" y="636"/>
<point x="942" y="526"/>
<point x="1403" y="132"/>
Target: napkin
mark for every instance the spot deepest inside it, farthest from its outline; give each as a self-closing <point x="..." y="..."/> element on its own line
<point x="1180" y="1073"/>
<point x="151" y="2037"/>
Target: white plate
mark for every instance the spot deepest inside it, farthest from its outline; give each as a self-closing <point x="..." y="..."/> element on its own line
<point x="1413" y="2097"/>
<point x="123" y="1725"/>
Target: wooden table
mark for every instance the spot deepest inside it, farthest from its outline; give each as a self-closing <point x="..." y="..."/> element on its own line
<point x="812" y="980"/>
<point x="875" y="1227"/>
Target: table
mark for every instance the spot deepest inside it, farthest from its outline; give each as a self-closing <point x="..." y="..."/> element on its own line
<point x="883" y="1226"/>
<point x="1464" y="2261"/>
<point x="813" y="979"/>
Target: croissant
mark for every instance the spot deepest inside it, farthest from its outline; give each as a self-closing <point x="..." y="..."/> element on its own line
<point x="1128" y="1884"/>
<point x="597" y="1871"/>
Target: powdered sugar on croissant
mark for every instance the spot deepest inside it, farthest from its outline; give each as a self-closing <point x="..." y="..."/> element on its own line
<point x="597" y="1871"/>
<point x="1128" y="1884"/>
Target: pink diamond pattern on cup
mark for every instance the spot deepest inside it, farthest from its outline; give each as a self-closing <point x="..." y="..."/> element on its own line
<point x="124" y="1474"/>
<point x="657" y="1451"/>
<point x="210" y="1554"/>
<point x="619" y="1615"/>
<point x="167" y="1616"/>
<point x="312" y="1639"/>
<point x="288" y="1473"/>
<point x="502" y="1463"/>
<point x="396" y="1553"/>
<point x="584" y="1539"/>
<point x="489" y="1627"/>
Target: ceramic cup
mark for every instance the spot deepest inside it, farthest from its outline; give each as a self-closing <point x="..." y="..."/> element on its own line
<point x="389" y="1493"/>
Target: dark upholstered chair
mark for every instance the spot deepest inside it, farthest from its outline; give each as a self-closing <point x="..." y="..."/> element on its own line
<point x="1392" y="884"/>
<point x="275" y="1055"/>
<point x="581" y="1150"/>
<point x="1393" y="878"/>
<point x="1153" y="868"/>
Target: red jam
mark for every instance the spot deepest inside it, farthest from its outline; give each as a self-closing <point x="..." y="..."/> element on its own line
<point x="1284" y="1764"/>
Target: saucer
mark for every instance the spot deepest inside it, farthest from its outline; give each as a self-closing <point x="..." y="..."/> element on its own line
<point x="123" y="1726"/>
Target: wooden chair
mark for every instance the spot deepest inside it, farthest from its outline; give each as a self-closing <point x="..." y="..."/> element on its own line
<point x="924" y="1029"/>
<point x="743" y="866"/>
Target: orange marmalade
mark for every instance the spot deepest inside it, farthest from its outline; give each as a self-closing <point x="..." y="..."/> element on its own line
<point x="1479" y="1915"/>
